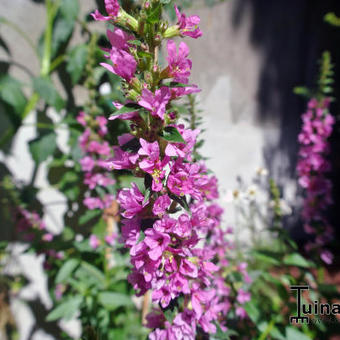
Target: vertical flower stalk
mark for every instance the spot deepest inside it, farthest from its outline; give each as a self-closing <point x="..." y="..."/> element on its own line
<point x="95" y="147"/>
<point x="312" y="169"/>
<point x="169" y="223"/>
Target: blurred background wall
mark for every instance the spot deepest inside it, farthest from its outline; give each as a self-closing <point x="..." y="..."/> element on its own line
<point x="252" y="54"/>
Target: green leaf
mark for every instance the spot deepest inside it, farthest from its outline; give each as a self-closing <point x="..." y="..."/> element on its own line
<point x="93" y="272"/>
<point x="89" y="215"/>
<point x="126" y="109"/>
<point x="293" y="333"/>
<point x="171" y="134"/>
<point x="76" y="62"/>
<point x="296" y="259"/>
<point x="147" y="195"/>
<point x="328" y="290"/>
<point x="43" y="146"/>
<point x="302" y="91"/>
<point x="66" y="270"/>
<point x="11" y="93"/>
<point x="175" y="84"/>
<point x="112" y="300"/>
<point x="135" y="42"/>
<point x="252" y="311"/>
<point x="164" y="2"/>
<point x="66" y="310"/>
<point x="267" y="256"/>
<point x="154" y="14"/>
<point x="70" y="9"/>
<point x="45" y="88"/>
<point x="61" y="34"/>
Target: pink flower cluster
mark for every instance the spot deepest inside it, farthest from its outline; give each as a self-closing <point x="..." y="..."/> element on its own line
<point x="96" y="151"/>
<point x="28" y="224"/>
<point x="169" y="224"/>
<point x="33" y="228"/>
<point x="312" y="168"/>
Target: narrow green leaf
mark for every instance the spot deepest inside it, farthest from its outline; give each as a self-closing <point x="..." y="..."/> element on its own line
<point x="89" y="215"/>
<point x="267" y="256"/>
<point x="66" y="310"/>
<point x="93" y="272"/>
<point x="11" y="93"/>
<point x="43" y="146"/>
<point x="112" y="300"/>
<point x="45" y="88"/>
<point x="175" y="84"/>
<point x="154" y="13"/>
<point x="70" y="9"/>
<point x="171" y="134"/>
<point x="135" y="42"/>
<point x="293" y="333"/>
<point x="76" y="62"/>
<point x="126" y="109"/>
<point x="296" y="259"/>
<point x="66" y="270"/>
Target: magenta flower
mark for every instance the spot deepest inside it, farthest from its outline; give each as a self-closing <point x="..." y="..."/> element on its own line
<point x="179" y="65"/>
<point x="81" y="118"/>
<point x="122" y="160"/>
<point x="312" y="168"/>
<point x="183" y="227"/>
<point x="112" y="9"/>
<point x="87" y="163"/>
<point x="102" y="122"/>
<point x="119" y="39"/>
<point x="93" y="180"/>
<point x="94" y="242"/>
<point x="157" y="243"/>
<point x="200" y="297"/>
<point x="177" y="92"/>
<point x="183" y="150"/>
<point x="152" y="163"/>
<point x="243" y="296"/>
<point x="132" y="201"/>
<point x="156" y="103"/>
<point x="93" y="203"/>
<point x="326" y="256"/>
<point x="188" y="25"/>
<point x="165" y="225"/>
<point x="99" y="148"/>
<point x="163" y="296"/>
<point x="84" y="139"/>
<point x="124" y="64"/>
<point x="130" y="232"/>
<point x="161" y="204"/>
<point x="187" y="268"/>
<point x="97" y="203"/>
<point x="111" y="239"/>
<point x="48" y="237"/>
<point x="241" y="312"/>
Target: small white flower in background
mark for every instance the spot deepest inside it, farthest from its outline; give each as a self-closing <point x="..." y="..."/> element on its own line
<point x="69" y="163"/>
<point x="284" y="207"/>
<point x="79" y="238"/>
<point x="105" y="89"/>
<point x="262" y="171"/>
<point x="251" y="192"/>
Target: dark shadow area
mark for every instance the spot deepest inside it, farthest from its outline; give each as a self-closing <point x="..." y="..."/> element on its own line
<point x="40" y="313"/>
<point x="291" y="35"/>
